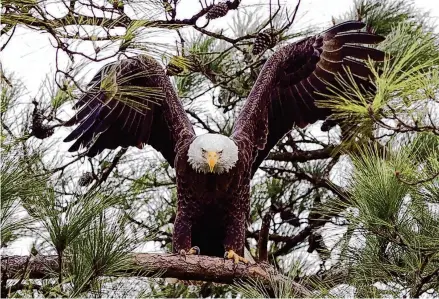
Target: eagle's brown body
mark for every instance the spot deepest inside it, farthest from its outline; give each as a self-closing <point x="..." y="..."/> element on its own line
<point x="213" y="208"/>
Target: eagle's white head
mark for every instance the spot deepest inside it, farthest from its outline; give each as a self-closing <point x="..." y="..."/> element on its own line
<point x="212" y="153"/>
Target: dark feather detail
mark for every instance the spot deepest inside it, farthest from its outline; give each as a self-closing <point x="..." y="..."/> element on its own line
<point x="297" y="76"/>
<point x="357" y="38"/>
<point x="353" y="51"/>
<point x="130" y="103"/>
<point x="342" y="27"/>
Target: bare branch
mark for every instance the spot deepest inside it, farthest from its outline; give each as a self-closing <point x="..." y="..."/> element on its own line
<point x="302" y="156"/>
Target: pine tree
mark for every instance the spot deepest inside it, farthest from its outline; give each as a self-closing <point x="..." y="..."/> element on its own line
<point x="352" y="210"/>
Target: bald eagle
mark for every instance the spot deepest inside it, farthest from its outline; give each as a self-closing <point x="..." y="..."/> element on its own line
<point x="214" y="171"/>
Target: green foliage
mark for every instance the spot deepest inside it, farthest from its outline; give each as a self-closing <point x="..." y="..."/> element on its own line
<point x="381" y="16"/>
<point x="174" y="291"/>
<point x="4" y="99"/>
<point x="63" y="95"/>
<point x="9" y="99"/>
<point x="18" y="184"/>
<point x="65" y="223"/>
<point x="100" y="254"/>
<point x="117" y="87"/>
<point x="403" y="83"/>
<point x="397" y="222"/>
<point x="278" y="286"/>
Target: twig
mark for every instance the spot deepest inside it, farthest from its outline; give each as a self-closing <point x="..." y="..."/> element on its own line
<point x="418" y="182"/>
<point x="200" y="121"/>
<point x="272" y="237"/>
<point x="9" y="38"/>
<point x="302" y="156"/>
<point x="26" y="265"/>
<point x="293" y="242"/>
<point x="424" y="280"/>
<point x="7" y="129"/>
<point x="110" y="168"/>
<point x="290" y="22"/>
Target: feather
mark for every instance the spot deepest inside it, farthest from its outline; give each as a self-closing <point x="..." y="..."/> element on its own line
<point x="85" y="110"/>
<point x="342" y="27"/>
<point x="297" y="76"/>
<point x="356" y="37"/>
<point x="105" y="121"/>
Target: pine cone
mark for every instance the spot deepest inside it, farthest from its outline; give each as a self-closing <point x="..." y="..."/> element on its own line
<point x="224" y="96"/>
<point x="85" y="179"/>
<point x="266" y="39"/>
<point x="217" y="11"/>
<point x="39" y="130"/>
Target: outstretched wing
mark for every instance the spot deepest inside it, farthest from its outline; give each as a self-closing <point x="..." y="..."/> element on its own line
<point x="130" y="103"/>
<point x="289" y="84"/>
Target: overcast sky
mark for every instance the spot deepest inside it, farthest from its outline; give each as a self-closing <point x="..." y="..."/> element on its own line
<point x="31" y="56"/>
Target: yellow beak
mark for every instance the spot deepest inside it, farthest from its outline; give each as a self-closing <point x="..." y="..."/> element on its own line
<point x="212" y="158"/>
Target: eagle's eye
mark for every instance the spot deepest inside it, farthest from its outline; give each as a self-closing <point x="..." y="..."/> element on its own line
<point x="220" y="152"/>
<point x="203" y="150"/>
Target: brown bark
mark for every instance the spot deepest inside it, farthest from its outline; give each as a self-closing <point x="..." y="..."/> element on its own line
<point x="302" y="156"/>
<point x="263" y="237"/>
<point x="154" y="265"/>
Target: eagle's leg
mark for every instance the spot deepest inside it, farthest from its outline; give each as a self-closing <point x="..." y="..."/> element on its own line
<point x="234" y="240"/>
<point x="181" y="239"/>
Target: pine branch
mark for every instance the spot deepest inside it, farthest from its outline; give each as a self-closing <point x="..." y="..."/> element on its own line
<point x="110" y="23"/>
<point x="202" y="268"/>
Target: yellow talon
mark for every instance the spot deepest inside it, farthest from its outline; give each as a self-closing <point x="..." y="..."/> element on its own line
<point x="230" y="254"/>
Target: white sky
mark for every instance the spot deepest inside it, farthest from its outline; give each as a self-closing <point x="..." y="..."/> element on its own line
<point x="31" y="56"/>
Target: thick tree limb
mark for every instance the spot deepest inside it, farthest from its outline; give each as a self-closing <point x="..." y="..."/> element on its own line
<point x="154" y="265"/>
